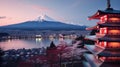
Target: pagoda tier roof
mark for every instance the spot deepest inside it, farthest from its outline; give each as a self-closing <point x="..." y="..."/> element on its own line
<point x="94" y="49"/>
<point x="92" y="28"/>
<point x="109" y="39"/>
<point x="93" y="61"/>
<point x="100" y="13"/>
<point x="92" y="37"/>
<point x="106" y="53"/>
<point x="110" y="25"/>
<point x="97" y="63"/>
<point x="86" y="63"/>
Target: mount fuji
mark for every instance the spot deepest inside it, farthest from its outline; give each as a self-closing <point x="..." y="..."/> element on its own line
<point x="44" y="23"/>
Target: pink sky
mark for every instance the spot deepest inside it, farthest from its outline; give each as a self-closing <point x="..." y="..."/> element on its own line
<point x="16" y="12"/>
<point x="69" y="11"/>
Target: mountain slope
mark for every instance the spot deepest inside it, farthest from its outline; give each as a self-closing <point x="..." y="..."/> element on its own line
<point x="44" y="25"/>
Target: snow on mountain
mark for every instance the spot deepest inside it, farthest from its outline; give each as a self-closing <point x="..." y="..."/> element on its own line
<point x="45" y="17"/>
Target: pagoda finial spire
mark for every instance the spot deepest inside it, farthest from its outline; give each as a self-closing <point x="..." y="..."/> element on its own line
<point x="108" y="4"/>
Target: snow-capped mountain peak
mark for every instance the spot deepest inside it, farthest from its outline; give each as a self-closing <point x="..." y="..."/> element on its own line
<point x="45" y="17"/>
<point x="44" y="22"/>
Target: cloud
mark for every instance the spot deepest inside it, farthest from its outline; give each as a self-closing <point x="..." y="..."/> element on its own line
<point x="2" y="17"/>
<point x="75" y="3"/>
<point x="41" y="8"/>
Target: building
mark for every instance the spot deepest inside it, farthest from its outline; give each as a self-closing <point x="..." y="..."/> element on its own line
<point x="105" y="52"/>
<point x="52" y="55"/>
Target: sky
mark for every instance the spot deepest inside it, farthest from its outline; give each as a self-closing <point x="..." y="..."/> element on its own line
<point x="67" y="11"/>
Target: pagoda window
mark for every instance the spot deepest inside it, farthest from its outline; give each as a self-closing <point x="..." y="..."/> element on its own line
<point x="103" y="44"/>
<point x="103" y="30"/>
<point x="113" y="44"/>
<point x="113" y="31"/>
<point x="113" y="19"/>
<point x="103" y="19"/>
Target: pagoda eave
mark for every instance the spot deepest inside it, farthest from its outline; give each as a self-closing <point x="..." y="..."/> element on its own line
<point x="94" y="62"/>
<point x="95" y="16"/>
<point x="92" y="28"/>
<point x="94" y="49"/>
<point x="100" y="13"/>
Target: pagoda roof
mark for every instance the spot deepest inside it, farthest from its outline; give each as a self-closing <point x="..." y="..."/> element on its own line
<point x="107" y="53"/>
<point x="52" y="46"/>
<point x="94" y="49"/>
<point x="92" y="37"/>
<point x="92" y="60"/>
<point x="110" y="11"/>
<point x="100" y="13"/>
<point x="107" y="24"/>
<point x="92" y="28"/>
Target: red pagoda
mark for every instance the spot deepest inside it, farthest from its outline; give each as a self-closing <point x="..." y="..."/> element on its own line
<point x="105" y="52"/>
